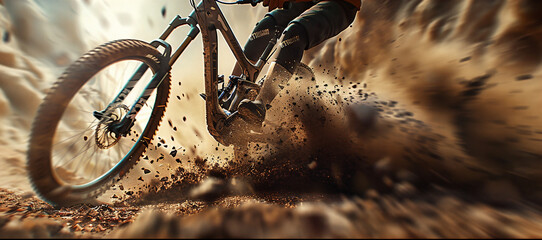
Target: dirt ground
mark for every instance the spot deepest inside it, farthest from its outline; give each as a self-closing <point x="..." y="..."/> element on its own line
<point x="407" y="213"/>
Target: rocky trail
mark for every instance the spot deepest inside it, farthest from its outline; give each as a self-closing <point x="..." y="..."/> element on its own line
<point x="406" y="213"/>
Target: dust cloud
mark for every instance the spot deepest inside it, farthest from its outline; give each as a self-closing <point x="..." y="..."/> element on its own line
<point x="445" y="89"/>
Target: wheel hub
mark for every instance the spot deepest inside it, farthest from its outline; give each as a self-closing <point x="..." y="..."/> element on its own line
<point x="106" y="136"/>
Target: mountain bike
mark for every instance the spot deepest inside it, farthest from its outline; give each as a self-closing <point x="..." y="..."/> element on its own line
<point x="101" y="115"/>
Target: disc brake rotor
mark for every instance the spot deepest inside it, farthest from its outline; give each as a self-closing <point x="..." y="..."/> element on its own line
<point x="104" y="137"/>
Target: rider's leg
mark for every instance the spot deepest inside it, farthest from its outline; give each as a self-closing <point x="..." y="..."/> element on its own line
<point x="290" y="53"/>
<point x="291" y="47"/>
<point x="258" y="40"/>
<point x="322" y="21"/>
<point x="264" y="30"/>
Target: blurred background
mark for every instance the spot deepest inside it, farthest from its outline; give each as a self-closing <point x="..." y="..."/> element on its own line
<point x="424" y="120"/>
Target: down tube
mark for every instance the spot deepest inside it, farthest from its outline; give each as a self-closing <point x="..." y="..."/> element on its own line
<point x="235" y="47"/>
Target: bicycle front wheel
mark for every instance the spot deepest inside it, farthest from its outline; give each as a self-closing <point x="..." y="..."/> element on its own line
<point x="73" y="155"/>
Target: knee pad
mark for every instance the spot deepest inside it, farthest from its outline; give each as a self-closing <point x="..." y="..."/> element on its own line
<point x="294" y="35"/>
<point x="265" y="27"/>
<point x="260" y="37"/>
<point x="291" y="47"/>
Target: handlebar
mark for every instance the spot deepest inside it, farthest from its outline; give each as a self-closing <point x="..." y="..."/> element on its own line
<point x="252" y="2"/>
<point x="255" y="2"/>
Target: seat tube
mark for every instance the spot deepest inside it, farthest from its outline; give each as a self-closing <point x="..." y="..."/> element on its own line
<point x="215" y="115"/>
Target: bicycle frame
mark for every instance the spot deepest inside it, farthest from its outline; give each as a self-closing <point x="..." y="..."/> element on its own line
<point x="206" y="19"/>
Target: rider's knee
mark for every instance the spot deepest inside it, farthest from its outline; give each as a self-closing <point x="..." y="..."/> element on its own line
<point x="293" y="44"/>
<point x="294" y="36"/>
<point x="263" y="28"/>
<point x="268" y="22"/>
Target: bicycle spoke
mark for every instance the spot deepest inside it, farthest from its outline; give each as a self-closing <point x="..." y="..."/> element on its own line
<point x="72" y="145"/>
<point x="76" y="155"/>
<point x="78" y="135"/>
<point x="89" y="159"/>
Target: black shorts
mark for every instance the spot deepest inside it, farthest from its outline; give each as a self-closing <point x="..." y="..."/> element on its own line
<point x="322" y="20"/>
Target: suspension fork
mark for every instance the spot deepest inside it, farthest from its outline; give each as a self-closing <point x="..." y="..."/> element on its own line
<point x="123" y="127"/>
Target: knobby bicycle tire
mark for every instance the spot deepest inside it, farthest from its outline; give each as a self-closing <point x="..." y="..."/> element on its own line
<point x="39" y="156"/>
